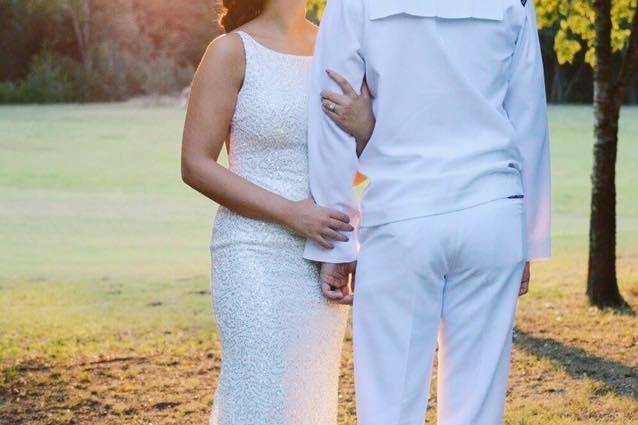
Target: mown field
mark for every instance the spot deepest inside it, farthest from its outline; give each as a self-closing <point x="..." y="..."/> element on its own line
<point x="105" y="313"/>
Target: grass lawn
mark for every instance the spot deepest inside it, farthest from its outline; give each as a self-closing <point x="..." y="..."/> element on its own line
<point x="105" y="311"/>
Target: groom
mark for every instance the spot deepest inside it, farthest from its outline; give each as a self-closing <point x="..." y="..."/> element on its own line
<point x="458" y="201"/>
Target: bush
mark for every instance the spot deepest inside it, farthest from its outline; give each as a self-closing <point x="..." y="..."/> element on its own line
<point x="51" y="78"/>
<point x="10" y="92"/>
<point x="118" y="73"/>
<point x="163" y="75"/>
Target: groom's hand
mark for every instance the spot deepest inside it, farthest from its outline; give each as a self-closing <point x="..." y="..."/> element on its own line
<point x="335" y="279"/>
<point x="525" y="280"/>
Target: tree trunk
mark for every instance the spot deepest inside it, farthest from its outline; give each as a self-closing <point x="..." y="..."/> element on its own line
<point x="602" y="283"/>
<point x="556" y="92"/>
<point x="80" y="14"/>
<point x="573" y="80"/>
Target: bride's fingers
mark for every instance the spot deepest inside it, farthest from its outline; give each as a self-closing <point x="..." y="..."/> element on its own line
<point x="333" y="235"/>
<point x="322" y="242"/>
<point x="334" y="282"/>
<point x="333" y="97"/>
<point x="331" y="108"/>
<point x="340" y="226"/>
<point x="338" y="215"/>
<point x="346" y="300"/>
<point x="342" y="82"/>
<point x="333" y="115"/>
<point x="348" y="296"/>
<point x="330" y="292"/>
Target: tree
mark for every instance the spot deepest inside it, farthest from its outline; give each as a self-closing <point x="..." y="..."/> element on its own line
<point x="607" y="31"/>
<point x="81" y="14"/>
<point x="315" y="9"/>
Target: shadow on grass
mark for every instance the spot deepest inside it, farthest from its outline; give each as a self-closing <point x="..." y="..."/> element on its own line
<point x="578" y="363"/>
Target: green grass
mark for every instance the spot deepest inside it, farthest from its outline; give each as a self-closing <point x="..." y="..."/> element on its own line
<point x="104" y="295"/>
<point x="92" y="192"/>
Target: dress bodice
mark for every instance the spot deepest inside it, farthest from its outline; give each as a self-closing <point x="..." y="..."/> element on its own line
<point x="268" y="134"/>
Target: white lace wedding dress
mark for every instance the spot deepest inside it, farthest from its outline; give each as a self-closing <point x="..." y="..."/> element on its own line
<point x="281" y="341"/>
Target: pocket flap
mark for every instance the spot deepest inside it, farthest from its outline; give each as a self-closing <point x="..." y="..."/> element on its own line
<point x="446" y="9"/>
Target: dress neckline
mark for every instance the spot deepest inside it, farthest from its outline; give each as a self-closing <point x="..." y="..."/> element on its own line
<point x="273" y="50"/>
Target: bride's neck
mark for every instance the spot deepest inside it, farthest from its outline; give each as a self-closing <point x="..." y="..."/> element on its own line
<point x="288" y="16"/>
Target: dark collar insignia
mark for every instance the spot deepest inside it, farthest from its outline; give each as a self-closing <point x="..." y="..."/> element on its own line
<point x="523" y="2"/>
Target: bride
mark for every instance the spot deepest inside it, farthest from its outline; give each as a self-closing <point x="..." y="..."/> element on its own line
<point x="281" y="340"/>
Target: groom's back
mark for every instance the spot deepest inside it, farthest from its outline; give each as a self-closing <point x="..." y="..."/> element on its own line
<point x="440" y="73"/>
<point x="442" y="46"/>
<point x="437" y="58"/>
<point x="459" y="100"/>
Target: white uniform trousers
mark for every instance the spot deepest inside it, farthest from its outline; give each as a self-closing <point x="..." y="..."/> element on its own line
<point x="454" y="277"/>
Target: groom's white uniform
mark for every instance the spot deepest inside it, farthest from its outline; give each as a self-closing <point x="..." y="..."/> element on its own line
<point x="460" y="138"/>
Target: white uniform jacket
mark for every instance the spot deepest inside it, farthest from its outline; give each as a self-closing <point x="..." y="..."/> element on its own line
<point x="459" y="97"/>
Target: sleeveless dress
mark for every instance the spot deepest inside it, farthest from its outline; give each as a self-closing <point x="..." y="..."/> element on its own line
<point x="281" y="340"/>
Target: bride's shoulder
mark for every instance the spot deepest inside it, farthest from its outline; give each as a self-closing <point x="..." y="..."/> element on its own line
<point x="225" y="50"/>
<point x="224" y="58"/>
<point x="226" y="47"/>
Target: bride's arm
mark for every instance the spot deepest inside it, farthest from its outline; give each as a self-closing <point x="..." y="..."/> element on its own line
<point x="211" y="106"/>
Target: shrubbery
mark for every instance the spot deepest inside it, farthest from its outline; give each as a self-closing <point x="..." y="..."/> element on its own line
<point x="51" y="78"/>
<point x="100" y="50"/>
<point x="114" y="75"/>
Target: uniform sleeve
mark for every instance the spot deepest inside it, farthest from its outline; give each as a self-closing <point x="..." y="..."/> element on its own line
<point x="332" y="152"/>
<point x="526" y="106"/>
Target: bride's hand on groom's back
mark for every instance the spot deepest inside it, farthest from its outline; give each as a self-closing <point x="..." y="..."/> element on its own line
<point x="317" y="223"/>
<point x="352" y="112"/>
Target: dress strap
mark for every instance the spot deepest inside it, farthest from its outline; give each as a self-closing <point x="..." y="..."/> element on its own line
<point x="250" y="53"/>
<point x="250" y="44"/>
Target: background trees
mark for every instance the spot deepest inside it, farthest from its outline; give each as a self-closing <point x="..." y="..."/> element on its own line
<point x="97" y="50"/>
<point x="603" y="34"/>
<point x="130" y="47"/>
<point x="100" y="49"/>
<point x="315" y="7"/>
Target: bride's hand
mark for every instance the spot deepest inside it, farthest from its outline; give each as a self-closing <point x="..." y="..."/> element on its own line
<point x="350" y="111"/>
<point x="317" y="223"/>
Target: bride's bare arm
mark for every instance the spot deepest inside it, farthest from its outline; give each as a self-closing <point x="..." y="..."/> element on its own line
<point x="211" y="106"/>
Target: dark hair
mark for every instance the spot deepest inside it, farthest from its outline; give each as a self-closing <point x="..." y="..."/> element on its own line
<point x="237" y="12"/>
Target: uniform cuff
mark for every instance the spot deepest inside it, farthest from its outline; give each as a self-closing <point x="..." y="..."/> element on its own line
<point x="539" y="249"/>
<point x="343" y="252"/>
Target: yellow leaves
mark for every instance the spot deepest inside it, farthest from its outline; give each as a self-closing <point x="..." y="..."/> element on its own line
<point x="573" y="21"/>
<point x="622" y="10"/>
<point x="590" y="56"/>
<point x="574" y="24"/>
<point x="565" y="47"/>
<point x="548" y="13"/>
<point x="315" y="8"/>
<point x="622" y="13"/>
<point x="619" y="38"/>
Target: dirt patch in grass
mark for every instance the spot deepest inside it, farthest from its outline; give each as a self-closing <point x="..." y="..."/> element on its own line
<point x="572" y="364"/>
<point x="551" y="383"/>
<point x="113" y="390"/>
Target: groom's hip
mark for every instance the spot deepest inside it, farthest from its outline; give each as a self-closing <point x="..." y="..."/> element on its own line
<point x="454" y="276"/>
<point x="479" y="237"/>
<point x="400" y="197"/>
